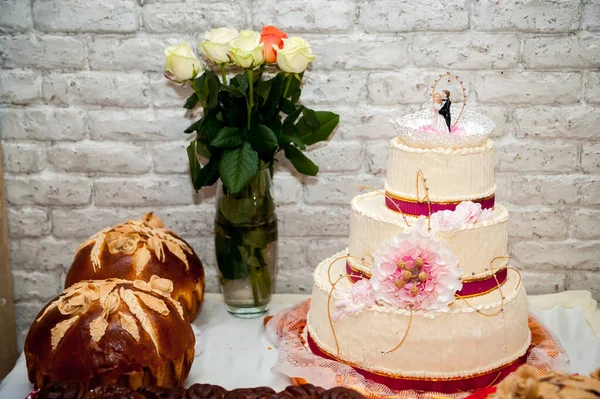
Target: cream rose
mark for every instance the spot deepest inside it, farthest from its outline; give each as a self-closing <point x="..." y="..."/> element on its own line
<point x="181" y="62"/>
<point x="295" y="55"/>
<point x="247" y="50"/>
<point x="217" y="43"/>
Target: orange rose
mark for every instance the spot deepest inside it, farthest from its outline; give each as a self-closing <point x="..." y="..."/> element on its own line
<point x="270" y="36"/>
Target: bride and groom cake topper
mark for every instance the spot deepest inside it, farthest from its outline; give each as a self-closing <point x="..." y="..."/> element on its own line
<point x="441" y="120"/>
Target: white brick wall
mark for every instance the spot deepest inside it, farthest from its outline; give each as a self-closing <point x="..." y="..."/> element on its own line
<point x="92" y="132"/>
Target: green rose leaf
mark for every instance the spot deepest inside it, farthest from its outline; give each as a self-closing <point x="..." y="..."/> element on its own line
<point x="289" y="121"/>
<point x="294" y="86"/>
<point x="292" y="138"/>
<point x="262" y="139"/>
<point x="213" y="83"/>
<point x="286" y="106"/>
<point x="234" y="91"/>
<point x="202" y="150"/>
<point x="194" y="164"/>
<point x="296" y="96"/>
<point x="209" y="174"/>
<point x="194" y="126"/>
<point x="191" y="101"/>
<point x="310" y="117"/>
<point x="271" y="107"/>
<point x="300" y="161"/>
<point x="327" y="122"/>
<point x="238" y="167"/>
<point x="210" y="127"/>
<point x="262" y="89"/>
<point x="228" y="138"/>
<point x="240" y="81"/>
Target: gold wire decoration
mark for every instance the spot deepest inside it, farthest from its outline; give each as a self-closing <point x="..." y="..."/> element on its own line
<point x="405" y="333"/>
<point x="425" y="197"/>
<point x="333" y="285"/>
<point x="464" y="91"/>
<point x="501" y="309"/>
<point x="388" y="196"/>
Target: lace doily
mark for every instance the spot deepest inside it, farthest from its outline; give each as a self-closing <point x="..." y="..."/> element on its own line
<point x="412" y="130"/>
<point x="286" y="331"/>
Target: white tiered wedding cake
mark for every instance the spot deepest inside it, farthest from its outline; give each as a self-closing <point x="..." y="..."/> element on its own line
<point x="423" y="298"/>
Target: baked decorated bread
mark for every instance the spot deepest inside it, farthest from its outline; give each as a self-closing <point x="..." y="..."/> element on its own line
<point x="98" y="332"/>
<point x="526" y="383"/>
<point x="423" y="297"/>
<point x="74" y="390"/>
<point x="138" y="250"/>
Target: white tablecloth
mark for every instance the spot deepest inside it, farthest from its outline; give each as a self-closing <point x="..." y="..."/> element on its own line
<point x="235" y="353"/>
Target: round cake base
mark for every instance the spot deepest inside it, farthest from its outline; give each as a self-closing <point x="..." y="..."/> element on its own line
<point x="301" y="364"/>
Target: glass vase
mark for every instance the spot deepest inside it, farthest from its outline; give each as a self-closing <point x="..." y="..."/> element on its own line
<point x="246" y="246"/>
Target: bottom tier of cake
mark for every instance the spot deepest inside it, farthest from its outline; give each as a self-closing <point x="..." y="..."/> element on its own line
<point x="475" y="336"/>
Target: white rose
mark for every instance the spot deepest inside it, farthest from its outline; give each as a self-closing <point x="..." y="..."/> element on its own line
<point x="217" y="43"/>
<point x="247" y="50"/>
<point x="182" y="62"/>
<point x="295" y="55"/>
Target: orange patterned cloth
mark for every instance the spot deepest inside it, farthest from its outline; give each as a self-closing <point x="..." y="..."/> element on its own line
<point x="286" y="331"/>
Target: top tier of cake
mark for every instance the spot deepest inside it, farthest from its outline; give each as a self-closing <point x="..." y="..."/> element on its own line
<point x="452" y="175"/>
<point x="457" y="166"/>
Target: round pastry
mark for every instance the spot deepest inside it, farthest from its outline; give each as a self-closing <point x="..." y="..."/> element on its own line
<point x="137" y="250"/>
<point x="101" y="332"/>
<point x="527" y="383"/>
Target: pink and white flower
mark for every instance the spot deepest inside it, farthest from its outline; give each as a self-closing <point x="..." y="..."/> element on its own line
<point x="416" y="270"/>
<point x="466" y="213"/>
<point x="359" y="297"/>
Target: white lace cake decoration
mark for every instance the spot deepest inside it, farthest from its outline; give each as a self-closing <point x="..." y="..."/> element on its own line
<point x="414" y="130"/>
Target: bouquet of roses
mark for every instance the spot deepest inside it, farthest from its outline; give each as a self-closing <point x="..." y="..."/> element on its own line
<point x="253" y="116"/>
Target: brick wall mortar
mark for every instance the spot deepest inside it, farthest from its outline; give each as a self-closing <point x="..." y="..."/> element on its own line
<point x="79" y="87"/>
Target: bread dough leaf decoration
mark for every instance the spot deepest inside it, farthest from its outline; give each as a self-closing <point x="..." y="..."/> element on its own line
<point x="177" y="251"/>
<point x="141" y="257"/>
<point x="154" y="243"/>
<point x="98" y="328"/>
<point x="106" y="290"/>
<point x="128" y="323"/>
<point x="149" y="220"/>
<point x="134" y="307"/>
<point x="59" y="331"/>
<point x="79" y="298"/>
<point x="137" y="238"/>
<point x="110" y="304"/>
<point x="153" y="303"/>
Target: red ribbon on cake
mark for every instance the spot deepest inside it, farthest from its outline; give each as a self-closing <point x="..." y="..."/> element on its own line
<point x="443" y="385"/>
<point x="416" y="208"/>
<point x="470" y="288"/>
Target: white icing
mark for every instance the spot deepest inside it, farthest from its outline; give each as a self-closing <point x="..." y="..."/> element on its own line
<point x="371" y="223"/>
<point x="457" y="343"/>
<point x="452" y="174"/>
<point x="338" y="269"/>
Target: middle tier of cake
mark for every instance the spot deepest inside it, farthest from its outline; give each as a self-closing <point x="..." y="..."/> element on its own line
<point x="372" y="223"/>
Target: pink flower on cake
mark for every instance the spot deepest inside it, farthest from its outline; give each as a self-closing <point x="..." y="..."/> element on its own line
<point x="486" y="214"/>
<point x="445" y="221"/>
<point x="360" y="296"/>
<point x="416" y="270"/>
<point x="466" y="213"/>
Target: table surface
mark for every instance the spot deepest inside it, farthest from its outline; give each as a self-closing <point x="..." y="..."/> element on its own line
<point x="235" y="353"/>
